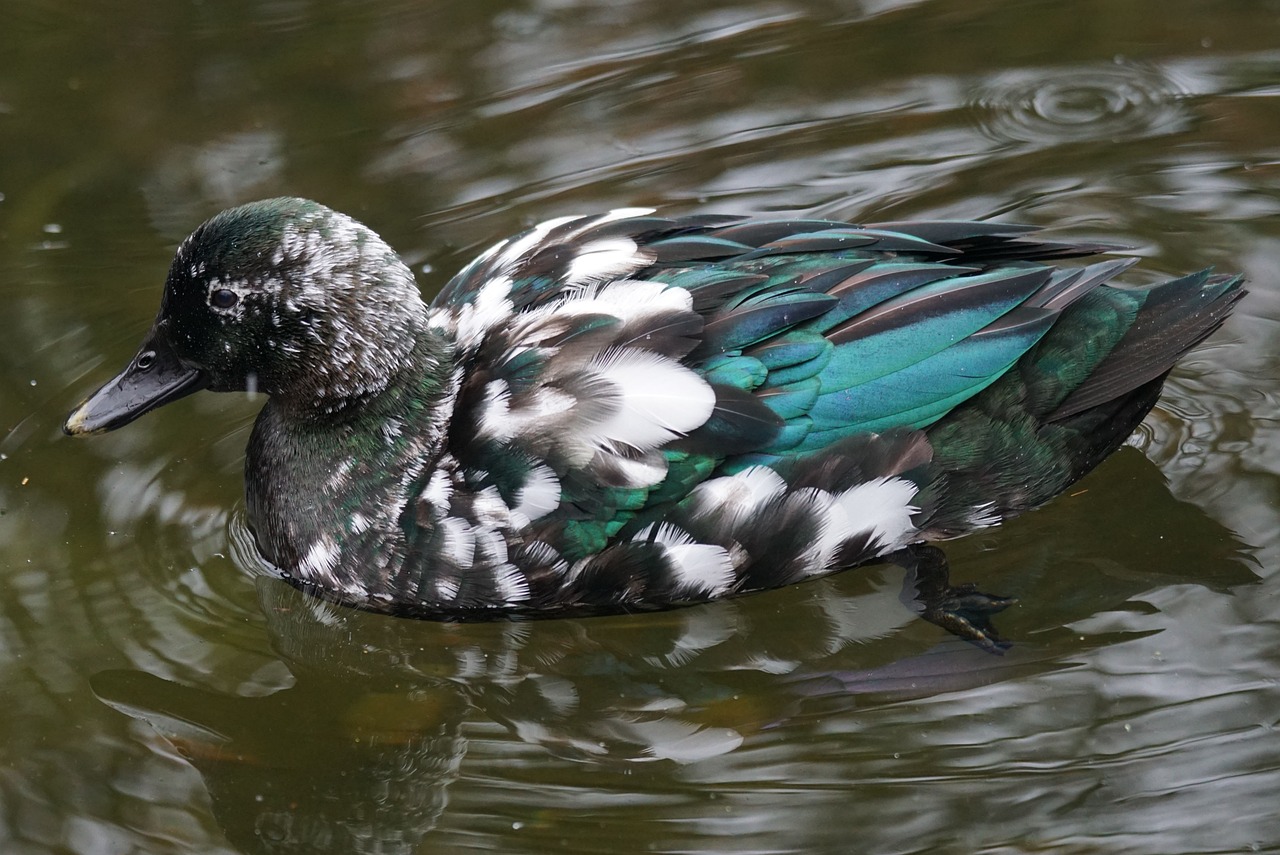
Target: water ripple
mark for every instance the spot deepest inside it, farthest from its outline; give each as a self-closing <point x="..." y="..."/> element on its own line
<point x="1122" y="100"/>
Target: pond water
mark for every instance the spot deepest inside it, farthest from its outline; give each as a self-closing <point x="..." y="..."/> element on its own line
<point x="161" y="696"/>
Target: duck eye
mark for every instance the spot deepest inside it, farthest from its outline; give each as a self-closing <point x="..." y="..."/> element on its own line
<point x="145" y="360"/>
<point x="223" y="298"/>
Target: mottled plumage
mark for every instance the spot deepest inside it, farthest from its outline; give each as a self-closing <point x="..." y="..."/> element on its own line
<point x="629" y="411"/>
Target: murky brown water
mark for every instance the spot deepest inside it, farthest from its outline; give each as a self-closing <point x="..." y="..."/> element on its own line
<point x="158" y="697"/>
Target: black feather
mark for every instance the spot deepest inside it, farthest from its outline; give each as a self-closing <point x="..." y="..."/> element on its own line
<point x="952" y="232"/>
<point x="740" y="423"/>
<point x="1067" y="286"/>
<point x="757" y="233"/>
<point x="694" y="248"/>
<point x="673" y="333"/>
<point x="1175" y="317"/>
<point x="859" y="459"/>
<point x="826" y="241"/>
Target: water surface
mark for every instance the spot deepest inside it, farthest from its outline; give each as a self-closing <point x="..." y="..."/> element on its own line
<point x="162" y="697"/>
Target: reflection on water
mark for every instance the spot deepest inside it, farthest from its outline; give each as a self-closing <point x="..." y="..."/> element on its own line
<point x="1137" y="709"/>
<point x="371" y="774"/>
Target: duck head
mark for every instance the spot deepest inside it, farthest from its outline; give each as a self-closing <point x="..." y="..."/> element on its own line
<point x="282" y="296"/>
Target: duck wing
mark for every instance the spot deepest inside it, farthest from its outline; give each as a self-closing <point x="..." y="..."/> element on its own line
<point x="659" y="410"/>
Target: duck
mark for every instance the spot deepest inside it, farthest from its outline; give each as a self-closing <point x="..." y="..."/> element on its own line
<point x="627" y="411"/>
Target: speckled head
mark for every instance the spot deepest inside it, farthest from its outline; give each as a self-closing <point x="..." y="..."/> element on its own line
<point x="283" y="296"/>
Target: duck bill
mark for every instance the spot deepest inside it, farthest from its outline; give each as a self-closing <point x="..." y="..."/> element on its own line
<point x="153" y="378"/>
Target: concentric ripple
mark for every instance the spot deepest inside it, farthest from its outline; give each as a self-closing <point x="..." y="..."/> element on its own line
<point x="168" y="533"/>
<point x="1046" y="105"/>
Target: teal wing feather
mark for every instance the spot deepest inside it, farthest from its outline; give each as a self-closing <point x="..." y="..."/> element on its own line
<point x="840" y="344"/>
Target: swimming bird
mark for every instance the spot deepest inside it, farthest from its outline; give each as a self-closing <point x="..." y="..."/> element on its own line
<point x="629" y="411"/>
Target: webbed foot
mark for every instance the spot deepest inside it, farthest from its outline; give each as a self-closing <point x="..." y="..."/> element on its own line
<point x="961" y="610"/>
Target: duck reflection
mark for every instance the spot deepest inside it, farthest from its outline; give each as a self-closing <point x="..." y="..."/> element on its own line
<point x="357" y="756"/>
<point x="312" y="768"/>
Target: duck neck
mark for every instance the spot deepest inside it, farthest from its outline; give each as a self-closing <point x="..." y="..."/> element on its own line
<point x="343" y="474"/>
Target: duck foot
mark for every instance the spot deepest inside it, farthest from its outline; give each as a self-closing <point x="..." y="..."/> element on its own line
<point x="961" y="610"/>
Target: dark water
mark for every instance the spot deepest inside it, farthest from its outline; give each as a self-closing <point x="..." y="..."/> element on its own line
<point x="159" y="697"/>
